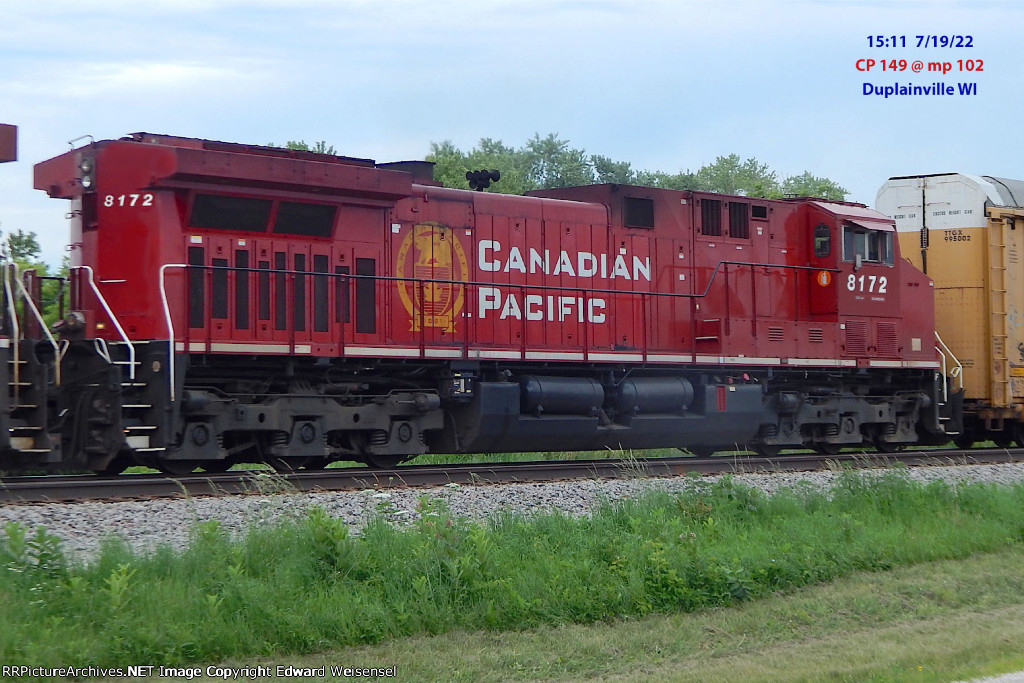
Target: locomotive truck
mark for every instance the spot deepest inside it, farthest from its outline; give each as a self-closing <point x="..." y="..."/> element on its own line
<point x="234" y="303"/>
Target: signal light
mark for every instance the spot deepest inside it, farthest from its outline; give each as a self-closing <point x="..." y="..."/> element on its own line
<point x="478" y="180"/>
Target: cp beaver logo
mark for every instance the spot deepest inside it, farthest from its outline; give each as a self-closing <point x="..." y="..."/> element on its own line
<point x="432" y="268"/>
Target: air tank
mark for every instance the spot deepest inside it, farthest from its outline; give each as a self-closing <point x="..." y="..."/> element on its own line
<point x="653" y="395"/>
<point x="560" y="395"/>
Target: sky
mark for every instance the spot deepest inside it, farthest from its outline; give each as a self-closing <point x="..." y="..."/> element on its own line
<point x="666" y="85"/>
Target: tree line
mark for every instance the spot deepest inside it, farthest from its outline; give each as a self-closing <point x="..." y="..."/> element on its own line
<point x="550" y="161"/>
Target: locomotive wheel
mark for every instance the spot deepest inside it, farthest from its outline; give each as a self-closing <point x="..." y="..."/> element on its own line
<point x="217" y="466"/>
<point x="179" y="468"/>
<point x="886" y="447"/>
<point x="765" y="450"/>
<point x="316" y="463"/>
<point x="384" y="462"/>
<point x="827" y="448"/>
<point x="286" y="465"/>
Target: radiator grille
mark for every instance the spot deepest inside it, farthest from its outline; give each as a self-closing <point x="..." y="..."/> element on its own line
<point x="816" y="335"/>
<point x="775" y="334"/>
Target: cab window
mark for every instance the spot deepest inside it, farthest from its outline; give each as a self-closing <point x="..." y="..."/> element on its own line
<point x="872" y="246"/>
<point x="822" y="241"/>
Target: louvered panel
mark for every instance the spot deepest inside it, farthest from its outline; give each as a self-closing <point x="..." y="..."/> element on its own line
<point x="856" y="337"/>
<point x="816" y="335"/>
<point x="776" y="334"/>
<point x="888" y="343"/>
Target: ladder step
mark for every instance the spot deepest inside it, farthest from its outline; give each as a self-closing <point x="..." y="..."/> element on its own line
<point x="137" y="405"/>
<point x="140" y="428"/>
<point x="149" y="450"/>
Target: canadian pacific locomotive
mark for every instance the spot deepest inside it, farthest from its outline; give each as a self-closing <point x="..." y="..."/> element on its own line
<point x="232" y="303"/>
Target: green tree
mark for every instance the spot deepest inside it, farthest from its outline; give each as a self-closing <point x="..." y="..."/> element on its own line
<point x="318" y="147"/>
<point x="730" y="175"/>
<point x="669" y="181"/>
<point x="553" y="163"/>
<point x="23" y="246"/>
<point x="608" y="171"/>
<point x="22" y="249"/>
<point x="809" y="185"/>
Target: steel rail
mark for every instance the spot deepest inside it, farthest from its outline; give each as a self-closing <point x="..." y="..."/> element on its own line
<point x="133" y="486"/>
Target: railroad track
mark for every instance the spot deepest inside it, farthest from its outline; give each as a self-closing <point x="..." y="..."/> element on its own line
<point x="128" y="486"/>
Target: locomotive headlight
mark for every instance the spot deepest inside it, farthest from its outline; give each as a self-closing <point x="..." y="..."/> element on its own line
<point x="86" y="167"/>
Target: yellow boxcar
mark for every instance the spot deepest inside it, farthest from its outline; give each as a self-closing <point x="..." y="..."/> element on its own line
<point x="967" y="233"/>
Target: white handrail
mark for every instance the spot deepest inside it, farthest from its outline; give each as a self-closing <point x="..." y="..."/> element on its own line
<point x="957" y="372"/>
<point x="113" y="319"/>
<point x="171" y="350"/>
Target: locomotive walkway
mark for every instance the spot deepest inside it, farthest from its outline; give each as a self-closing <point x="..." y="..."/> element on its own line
<point x="128" y="486"/>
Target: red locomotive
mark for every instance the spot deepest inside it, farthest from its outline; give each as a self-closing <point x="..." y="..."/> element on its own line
<point x="236" y="303"/>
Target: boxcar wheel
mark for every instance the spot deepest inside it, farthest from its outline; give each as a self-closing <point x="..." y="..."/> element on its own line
<point x="964" y="441"/>
<point x="116" y="466"/>
<point x="1002" y="440"/>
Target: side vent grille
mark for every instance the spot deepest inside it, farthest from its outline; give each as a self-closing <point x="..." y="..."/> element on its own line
<point x="775" y="334"/>
<point x="816" y="335"/>
<point x="856" y="338"/>
<point x="888" y="339"/>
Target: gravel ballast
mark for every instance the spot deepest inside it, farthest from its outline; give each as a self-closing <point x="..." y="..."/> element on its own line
<point x="148" y="524"/>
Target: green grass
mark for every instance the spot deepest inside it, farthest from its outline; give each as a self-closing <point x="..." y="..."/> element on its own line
<point x="939" y="621"/>
<point x="307" y="585"/>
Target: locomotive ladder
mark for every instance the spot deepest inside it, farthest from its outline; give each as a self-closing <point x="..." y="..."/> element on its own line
<point x="1000" y="383"/>
<point x="136" y="410"/>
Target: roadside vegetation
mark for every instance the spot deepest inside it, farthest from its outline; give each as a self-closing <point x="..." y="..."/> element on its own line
<point x="309" y="585"/>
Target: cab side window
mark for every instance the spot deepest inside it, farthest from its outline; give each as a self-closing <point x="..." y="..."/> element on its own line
<point x="872" y="246"/>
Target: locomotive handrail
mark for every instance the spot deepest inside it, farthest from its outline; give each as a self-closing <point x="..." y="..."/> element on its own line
<point x="345" y="277"/>
<point x="477" y="283"/>
<point x="15" y="328"/>
<point x="42" y="324"/>
<point x="39" y="317"/>
<point x="171" y="349"/>
<point x="113" y="319"/>
<point x="956" y="373"/>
